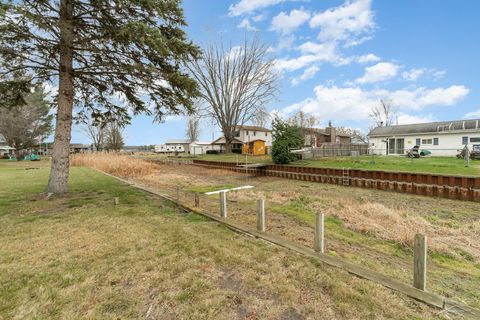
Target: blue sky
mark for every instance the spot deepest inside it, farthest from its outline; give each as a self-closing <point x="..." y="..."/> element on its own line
<point x="337" y="59"/>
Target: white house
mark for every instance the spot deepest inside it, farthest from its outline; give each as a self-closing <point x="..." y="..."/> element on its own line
<point x="444" y="138"/>
<point x="201" y="147"/>
<point x="178" y="143"/>
<point x="246" y="134"/>
<point x="251" y="133"/>
<point x="6" y="150"/>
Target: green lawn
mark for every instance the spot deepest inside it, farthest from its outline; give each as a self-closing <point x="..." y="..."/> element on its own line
<point x="80" y="256"/>
<point x="435" y="165"/>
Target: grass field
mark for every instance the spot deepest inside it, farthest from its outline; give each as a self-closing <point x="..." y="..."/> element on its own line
<point x="435" y="165"/>
<point x="368" y="227"/>
<point x="80" y="256"/>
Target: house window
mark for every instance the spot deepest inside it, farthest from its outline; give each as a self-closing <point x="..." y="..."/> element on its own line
<point x="435" y="141"/>
<point x="418" y="142"/>
<point x="464" y="140"/>
<point x="266" y="134"/>
<point x="254" y="133"/>
<point x="246" y="133"/>
<point x="474" y="139"/>
<point x="426" y="141"/>
<point x="236" y="134"/>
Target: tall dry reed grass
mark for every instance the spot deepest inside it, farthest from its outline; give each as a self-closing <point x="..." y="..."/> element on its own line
<point x="116" y="164"/>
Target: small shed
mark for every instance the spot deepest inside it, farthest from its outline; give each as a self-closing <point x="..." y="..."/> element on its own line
<point x="256" y="147"/>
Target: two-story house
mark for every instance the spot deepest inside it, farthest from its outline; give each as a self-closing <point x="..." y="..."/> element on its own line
<point x="250" y="139"/>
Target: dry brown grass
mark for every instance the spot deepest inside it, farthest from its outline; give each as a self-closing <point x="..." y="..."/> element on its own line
<point x="116" y="164"/>
<point x="393" y="223"/>
<point x="400" y="225"/>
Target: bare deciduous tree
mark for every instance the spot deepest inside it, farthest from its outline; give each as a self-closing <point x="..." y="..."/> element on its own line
<point x="113" y="136"/>
<point x="193" y="128"/>
<point x="261" y="118"/>
<point x="96" y="133"/>
<point x="357" y="135"/>
<point x="235" y="84"/>
<point x="303" y="121"/>
<point x="383" y="115"/>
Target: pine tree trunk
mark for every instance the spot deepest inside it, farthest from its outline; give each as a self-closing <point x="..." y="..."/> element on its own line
<point x="58" y="182"/>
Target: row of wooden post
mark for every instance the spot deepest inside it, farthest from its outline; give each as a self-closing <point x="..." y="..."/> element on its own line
<point x="419" y="247"/>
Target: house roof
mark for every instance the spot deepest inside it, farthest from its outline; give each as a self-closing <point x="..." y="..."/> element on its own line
<point x="221" y="140"/>
<point x="254" y="128"/>
<point x="79" y="146"/>
<point x="177" y="141"/>
<point x="430" y="127"/>
<point x="199" y="143"/>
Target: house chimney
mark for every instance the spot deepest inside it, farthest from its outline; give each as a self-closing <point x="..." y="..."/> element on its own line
<point x="331" y="132"/>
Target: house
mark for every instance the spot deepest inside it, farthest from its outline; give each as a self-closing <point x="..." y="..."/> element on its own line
<point x="250" y="139"/>
<point x="316" y="137"/>
<point x="185" y="144"/>
<point x="443" y="138"/>
<point x="201" y="147"/>
<point x="5" y="151"/>
<point x="219" y="144"/>
<point x="79" y="148"/>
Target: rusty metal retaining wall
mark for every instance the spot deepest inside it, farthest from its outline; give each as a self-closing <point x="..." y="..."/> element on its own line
<point x="452" y="187"/>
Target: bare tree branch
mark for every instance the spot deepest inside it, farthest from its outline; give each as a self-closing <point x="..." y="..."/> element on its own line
<point x="383" y="115"/>
<point x="235" y="84"/>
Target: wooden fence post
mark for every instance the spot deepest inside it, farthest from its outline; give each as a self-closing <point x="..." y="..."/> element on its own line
<point x="420" y="262"/>
<point x="223" y="204"/>
<point x="261" y="215"/>
<point x="319" y="232"/>
<point x="197" y="200"/>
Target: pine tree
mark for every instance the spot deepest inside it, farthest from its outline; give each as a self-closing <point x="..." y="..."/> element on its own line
<point x="110" y="59"/>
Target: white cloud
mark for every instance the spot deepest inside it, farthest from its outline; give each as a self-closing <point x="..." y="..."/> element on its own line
<point x="345" y="22"/>
<point x="413" y="74"/>
<point x="295" y="63"/>
<point x="286" y="23"/>
<point x="346" y="25"/>
<point x="473" y="114"/>
<point x="380" y="72"/>
<point x="248" y="6"/>
<point x="309" y="73"/>
<point x="354" y="103"/>
<point x="312" y="53"/>
<point x="368" y="58"/>
<point x="404" y="118"/>
<point x="259" y="17"/>
<point x="438" y="74"/>
<point x="245" y="23"/>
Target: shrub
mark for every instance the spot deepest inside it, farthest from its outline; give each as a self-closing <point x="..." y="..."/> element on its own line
<point x="237" y="151"/>
<point x="211" y="152"/>
<point x="286" y="137"/>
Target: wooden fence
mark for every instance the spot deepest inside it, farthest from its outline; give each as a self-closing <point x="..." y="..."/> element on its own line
<point x="451" y="187"/>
